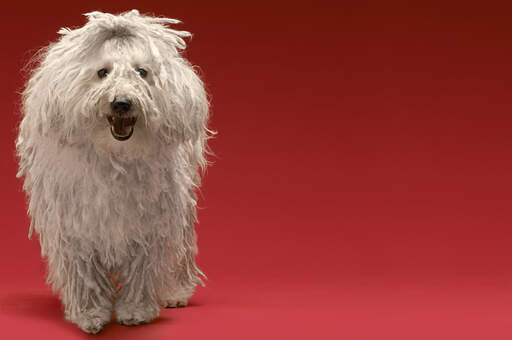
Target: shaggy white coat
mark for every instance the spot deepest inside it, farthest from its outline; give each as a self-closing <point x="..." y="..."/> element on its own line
<point x="115" y="213"/>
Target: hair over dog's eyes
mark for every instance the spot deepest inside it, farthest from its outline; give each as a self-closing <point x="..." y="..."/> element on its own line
<point x="142" y="72"/>
<point x="102" y="73"/>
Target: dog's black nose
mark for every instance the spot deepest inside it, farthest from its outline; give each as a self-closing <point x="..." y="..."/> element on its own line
<point x="121" y="105"/>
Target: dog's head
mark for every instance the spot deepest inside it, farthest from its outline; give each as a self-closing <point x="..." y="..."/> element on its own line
<point x="118" y="82"/>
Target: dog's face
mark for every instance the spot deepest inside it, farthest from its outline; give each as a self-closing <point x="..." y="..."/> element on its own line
<point x="123" y="78"/>
<point x="118" y="83"/>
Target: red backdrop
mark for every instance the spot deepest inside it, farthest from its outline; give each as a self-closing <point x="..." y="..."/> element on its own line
<point x="361" y="186"/>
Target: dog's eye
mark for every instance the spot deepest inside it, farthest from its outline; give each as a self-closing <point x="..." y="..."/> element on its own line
<point x="102" y="73"/>
<point x="142" y="72"/>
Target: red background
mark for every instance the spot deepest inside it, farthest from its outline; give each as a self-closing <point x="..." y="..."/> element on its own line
<point x="361" y="186"/>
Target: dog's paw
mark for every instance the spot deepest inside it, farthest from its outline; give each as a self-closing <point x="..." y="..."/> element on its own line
<point x="91" y="325"/>
<point x="136" y="314"/>
<point x="91" y="322"/>
<point x="178" y="296"/>
<point x="176" y="303"/>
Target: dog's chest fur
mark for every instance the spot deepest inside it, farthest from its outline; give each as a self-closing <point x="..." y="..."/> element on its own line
<point x="108" y="204"/>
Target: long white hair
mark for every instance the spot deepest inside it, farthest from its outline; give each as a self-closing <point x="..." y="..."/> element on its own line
<point x="80" y="180"/>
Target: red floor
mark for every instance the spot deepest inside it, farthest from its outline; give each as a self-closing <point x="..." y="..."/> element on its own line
<point x="354" y="309"/>
<point x="362" y="179"/>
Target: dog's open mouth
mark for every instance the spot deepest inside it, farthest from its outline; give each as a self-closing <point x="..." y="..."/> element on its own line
<point x="121" y="127"/>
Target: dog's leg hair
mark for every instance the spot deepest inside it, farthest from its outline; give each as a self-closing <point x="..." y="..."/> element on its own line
<point x="85" y="289"/>
<point x="136" y="303"/>
<point x="185" y="273"/>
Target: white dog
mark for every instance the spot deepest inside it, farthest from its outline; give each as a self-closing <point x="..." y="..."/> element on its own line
<point x="111" y="145"/>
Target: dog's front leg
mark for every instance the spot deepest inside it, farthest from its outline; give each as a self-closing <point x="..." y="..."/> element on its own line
<point x="185" y="274"/>
<point x="136" y="303"/>
<point x="85" y="290"/>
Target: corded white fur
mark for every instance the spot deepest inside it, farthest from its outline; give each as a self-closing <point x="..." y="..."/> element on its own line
<point x="114" y="212"/>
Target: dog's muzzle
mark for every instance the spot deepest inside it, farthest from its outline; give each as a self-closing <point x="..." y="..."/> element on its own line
<point x="121" y="121"/>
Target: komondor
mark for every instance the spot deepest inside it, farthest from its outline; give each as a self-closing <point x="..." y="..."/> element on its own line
<point x="111" y="145"/>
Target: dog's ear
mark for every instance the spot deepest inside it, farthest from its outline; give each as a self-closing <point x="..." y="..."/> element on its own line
<point x="183" y="102"/>
<point x="55" y="86"/>
<point x="180" y="96"/>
